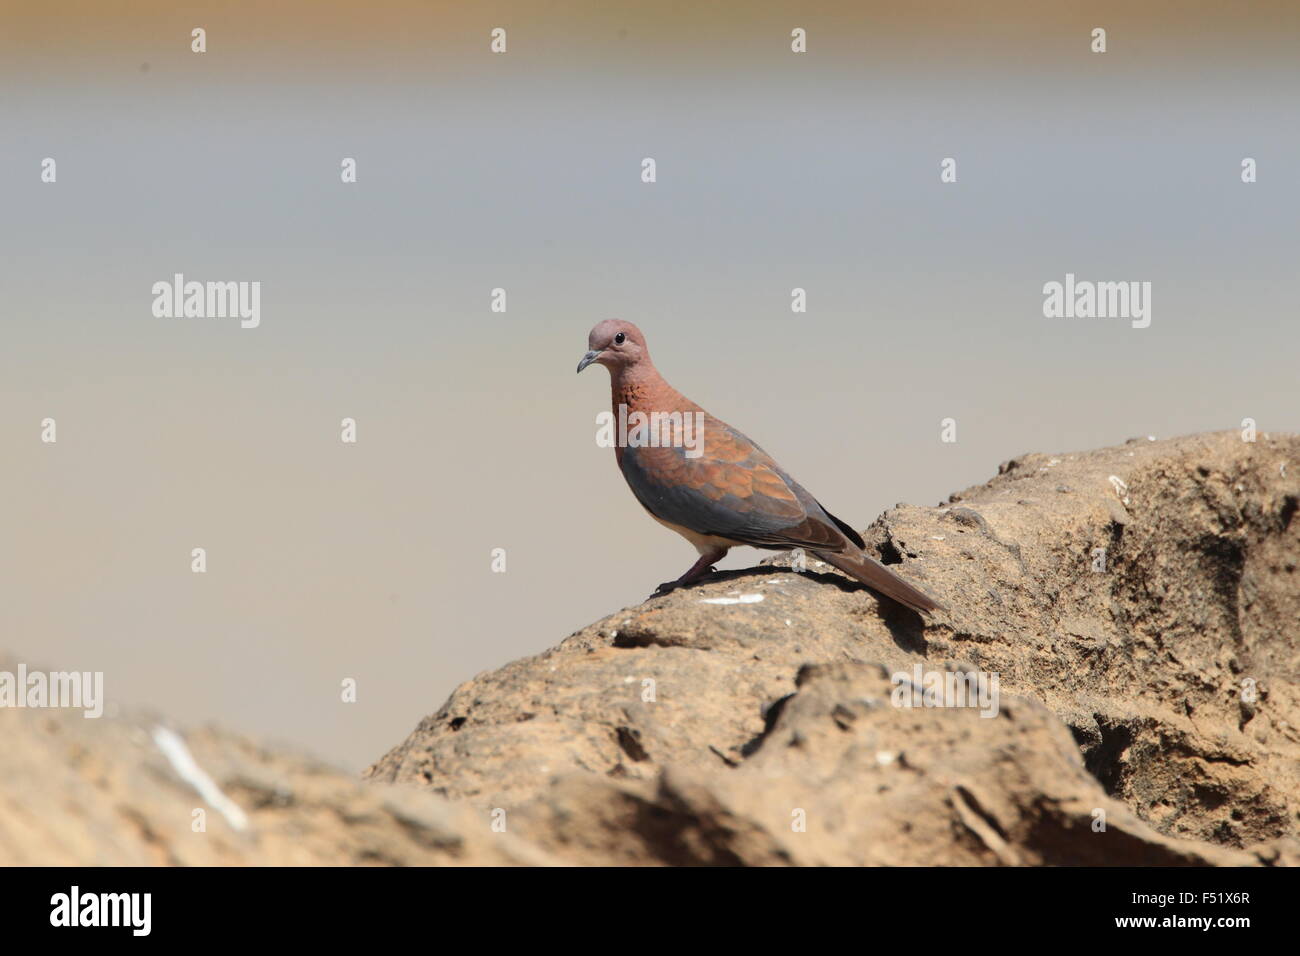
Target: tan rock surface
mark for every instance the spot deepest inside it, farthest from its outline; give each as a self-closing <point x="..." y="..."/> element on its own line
<point x="1157" y="696"/>
<point x="79" y="792"/>
<point x="1148" y="662"/>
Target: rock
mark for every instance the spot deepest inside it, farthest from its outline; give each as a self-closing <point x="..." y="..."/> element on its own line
<point x="1136" y="607"/>
<point x="99" y="792"/>
<point x="845" y="778"/>
<point x="1150" y="611"/>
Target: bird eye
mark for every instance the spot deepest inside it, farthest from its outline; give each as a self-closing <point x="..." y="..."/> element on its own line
<point x="620" y="339"/>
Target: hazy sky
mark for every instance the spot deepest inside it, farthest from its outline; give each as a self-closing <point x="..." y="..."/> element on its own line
<point x="521" y="171"/>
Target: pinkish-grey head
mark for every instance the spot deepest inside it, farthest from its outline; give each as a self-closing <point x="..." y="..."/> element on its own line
<point x="615" y="344"/>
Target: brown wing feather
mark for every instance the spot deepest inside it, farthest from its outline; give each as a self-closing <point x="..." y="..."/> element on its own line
<point x="732" y="490"/>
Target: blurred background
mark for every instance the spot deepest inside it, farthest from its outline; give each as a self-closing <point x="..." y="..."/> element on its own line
<point x="475" y="171"/>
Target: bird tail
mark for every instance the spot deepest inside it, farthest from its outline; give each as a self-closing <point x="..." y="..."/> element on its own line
<point x="879" y="578"/>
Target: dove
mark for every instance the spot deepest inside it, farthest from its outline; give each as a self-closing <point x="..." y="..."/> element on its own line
<point x="716" y="488"/>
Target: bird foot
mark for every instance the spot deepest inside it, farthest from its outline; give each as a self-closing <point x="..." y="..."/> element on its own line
<point x="690" y="577"/>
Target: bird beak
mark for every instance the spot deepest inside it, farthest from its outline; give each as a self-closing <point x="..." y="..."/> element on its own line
<point x="589" y="358"/>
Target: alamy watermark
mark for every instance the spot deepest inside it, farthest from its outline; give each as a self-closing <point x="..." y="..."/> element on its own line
<point x="920" y="688"/>
<point x="76" y="908"/>
<point x="83" y="690"/>
<point x="1084" y="299"/>
<point x="654" y="430"/>
<point x="179" y="299"/>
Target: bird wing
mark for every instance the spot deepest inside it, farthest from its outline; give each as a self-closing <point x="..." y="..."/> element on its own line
<point x="733" y="490"/>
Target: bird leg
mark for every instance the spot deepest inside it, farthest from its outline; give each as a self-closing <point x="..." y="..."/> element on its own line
<point x="695" y="572"/>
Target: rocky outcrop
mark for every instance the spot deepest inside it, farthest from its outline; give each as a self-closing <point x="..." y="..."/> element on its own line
<point x="843" y="777"/>
<point x="1146" y="596"/>
<point x="1138" y="607"/>
<point x="122" y="792"/>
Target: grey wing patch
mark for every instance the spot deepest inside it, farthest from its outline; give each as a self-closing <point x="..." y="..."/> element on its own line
<point x="793" y="520"/>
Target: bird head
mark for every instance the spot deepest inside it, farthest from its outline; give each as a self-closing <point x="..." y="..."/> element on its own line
<point x="614" y="344"/>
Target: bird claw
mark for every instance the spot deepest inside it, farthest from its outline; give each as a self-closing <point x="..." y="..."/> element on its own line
<point x="669" y="586"/>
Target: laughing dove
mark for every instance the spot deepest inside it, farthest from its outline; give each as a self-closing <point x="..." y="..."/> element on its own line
<point x="722" y="491"/>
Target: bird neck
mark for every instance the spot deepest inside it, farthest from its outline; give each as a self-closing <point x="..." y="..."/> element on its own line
<point x="642" y="389"/>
